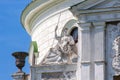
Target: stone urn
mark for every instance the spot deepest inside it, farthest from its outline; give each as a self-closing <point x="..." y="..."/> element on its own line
<point x="20" y="60"/>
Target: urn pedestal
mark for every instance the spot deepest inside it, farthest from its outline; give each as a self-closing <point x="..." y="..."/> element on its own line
<point x="20" y="62"/>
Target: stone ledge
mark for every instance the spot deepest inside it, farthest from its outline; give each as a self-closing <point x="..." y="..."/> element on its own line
<point x="55" y="68"/>
<point x="19" y="76"/>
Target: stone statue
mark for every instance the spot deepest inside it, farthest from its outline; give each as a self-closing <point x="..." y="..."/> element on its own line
<point x="116" y="58"/>
<point x="66" y="44"/>
<point x="64" y="49"/>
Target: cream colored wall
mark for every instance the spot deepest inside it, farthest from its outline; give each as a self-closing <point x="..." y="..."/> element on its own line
<point x="43" y="33"/>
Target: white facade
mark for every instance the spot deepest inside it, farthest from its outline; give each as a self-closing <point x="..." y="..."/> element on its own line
<point x="96" y="21"/>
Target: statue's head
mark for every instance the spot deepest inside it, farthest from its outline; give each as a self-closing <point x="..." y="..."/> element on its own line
<point x="116" y="45"/>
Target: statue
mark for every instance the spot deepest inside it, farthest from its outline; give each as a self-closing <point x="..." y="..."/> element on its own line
<point x="64" y="50"/>
<point x="116" y="58"/>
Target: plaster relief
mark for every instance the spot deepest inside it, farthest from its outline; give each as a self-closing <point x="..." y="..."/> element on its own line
<point x="65" y="50"/>
<point x="112" y="49"/>
<point x="116" y="58"/>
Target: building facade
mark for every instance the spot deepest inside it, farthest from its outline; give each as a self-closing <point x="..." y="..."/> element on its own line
<point x="94" y="25"/>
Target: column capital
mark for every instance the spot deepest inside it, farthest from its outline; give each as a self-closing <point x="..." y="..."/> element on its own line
<point x="98" y="24"/>
<point x="85" y="26"/>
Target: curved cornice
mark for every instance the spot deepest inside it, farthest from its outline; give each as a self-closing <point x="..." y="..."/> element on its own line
<point x="37" y="7"/>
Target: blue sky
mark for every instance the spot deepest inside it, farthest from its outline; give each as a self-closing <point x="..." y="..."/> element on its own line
<point x="13" y="37"/>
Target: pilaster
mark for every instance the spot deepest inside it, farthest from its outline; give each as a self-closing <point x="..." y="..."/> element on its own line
<point x="99" y="50"/>
<point x="99" y="40"/>
<point x="91" y="62"/>
<point x="83" y="68"/>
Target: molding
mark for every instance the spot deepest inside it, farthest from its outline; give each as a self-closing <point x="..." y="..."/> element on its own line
<point x="96" y="13"/>
<point x="99" y="10"/>
<point x="70" y="24"/>
<point x="100" y="15"/>
<point x="85" y="62"/>
<point x="35" y="8"/>
<point x="85" y="26"/>
<point x="99" y="25"/>
<point x="54" y="68"/>
<point x="39" y="7"/>
<point x="96" y="6"/>
<point x="87" y="4"/>
<point x="108" y="4"/>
